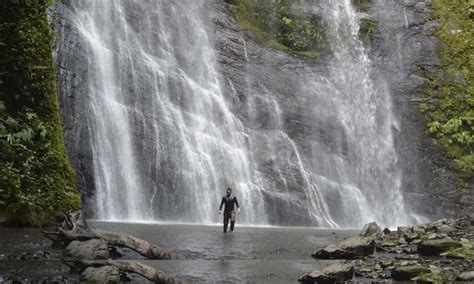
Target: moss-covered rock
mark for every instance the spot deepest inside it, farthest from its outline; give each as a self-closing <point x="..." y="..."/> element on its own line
<point x="466" y="276"/>
<point x="350" y="248"/>
<point x="435" y="247"/>
<point x="367" y="30"/>
<point x="337" y="272"/>
<point x="431" y="277"/>
<point x="36" y="178"/>
<point x="361" y="5"/>
<point x="90" y="249"/>
<point x="449" y="104"/>
<point x="103" y="274"/>
<point x="371" y="230"/>
<point x="464" y="252"/>
<point x="406" y="273"/>
<point x="274" y="24"/>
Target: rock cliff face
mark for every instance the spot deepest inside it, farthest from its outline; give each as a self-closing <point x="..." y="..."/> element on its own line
<point x="405" y="41"/>
<point x="404" y="38"/>
<point x="309" y="150"/>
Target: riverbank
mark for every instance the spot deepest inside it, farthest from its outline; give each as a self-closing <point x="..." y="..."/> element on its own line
<point x="251" y="254"/>
<point x="442" y="251"/>
<point x="25" y="255"/>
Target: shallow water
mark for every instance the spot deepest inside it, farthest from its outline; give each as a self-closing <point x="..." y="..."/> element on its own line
<point x="26" y="255"/>
<point x="250" y="254"/>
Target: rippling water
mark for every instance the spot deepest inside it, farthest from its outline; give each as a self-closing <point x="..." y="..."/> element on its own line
<point x="250" y="254"/>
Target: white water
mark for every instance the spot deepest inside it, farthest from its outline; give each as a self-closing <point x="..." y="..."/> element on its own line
<point x="174" y="93"/>
<point x="166" y="141"/>
<point x="365" y="110"/>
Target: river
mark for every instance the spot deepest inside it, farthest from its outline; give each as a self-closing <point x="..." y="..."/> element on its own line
<point x="250" y="254"/>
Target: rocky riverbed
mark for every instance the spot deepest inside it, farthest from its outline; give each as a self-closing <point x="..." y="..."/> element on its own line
<point x="25" y="256"/>
<point x="433" y="252"/>
<point x="428" y="253"/>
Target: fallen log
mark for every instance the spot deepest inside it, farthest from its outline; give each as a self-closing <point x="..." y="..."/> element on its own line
<point x="136" y="267"/>
<point x="140" y="246"/>
<point x="71" y="227"/>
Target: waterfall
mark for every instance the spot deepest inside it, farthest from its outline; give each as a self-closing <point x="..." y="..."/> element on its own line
<point x="153" y="91"/>
<point x="166" y="139"/>
<point x="365" y="111"/>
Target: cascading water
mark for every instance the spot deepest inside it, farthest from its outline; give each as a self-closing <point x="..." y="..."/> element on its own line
<point x="364" y="109"/>
<point x="167" y="140"/>
<point x="152" y="75"/>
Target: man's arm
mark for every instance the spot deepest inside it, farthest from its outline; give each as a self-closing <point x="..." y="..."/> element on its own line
<point x="237" y="203"/>
<point x="222" y="203"/>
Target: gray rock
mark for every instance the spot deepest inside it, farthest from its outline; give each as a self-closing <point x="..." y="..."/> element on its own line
<point x="466" y="276"/>
<point x="406" y="273"/>
<point x="419" y="230"/>
<point x="331" y="252"/>
<point x="439" y="222"/>
<point x="354" y="247"/>
<point x="444" y="229"/>
<point x="371" y="230"/>
<point x="433" y="236"/>
<point x="403" y="230"/>
<point x="337" y="272"/>
<point x="104" y="274"/>
<point x="359" y="247"/>
<point x="401" y="241"/>
<point x="387" y="231"/>
<point x="412" y="236"/>
<point x="91" y="249"/>
<point x="435" y="247"/>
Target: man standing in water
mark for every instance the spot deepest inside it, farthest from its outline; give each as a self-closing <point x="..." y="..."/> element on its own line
<point x="229" y="200"/>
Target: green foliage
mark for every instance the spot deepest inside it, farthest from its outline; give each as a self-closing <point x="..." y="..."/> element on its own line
<point x="449" y="109"/>
<point x="272" y="23"/>
<point x="36" y="178"/>
<point x="367" y="30"/>
<point x="361" y="5"/>
<point x="466" y="252"/>
<point x="432" y="278"/>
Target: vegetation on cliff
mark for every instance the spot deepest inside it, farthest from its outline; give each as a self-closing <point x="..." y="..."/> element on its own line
<point x="273" y="23"/>
<point x="36" y="178"/>
<point x="449" y="108"/>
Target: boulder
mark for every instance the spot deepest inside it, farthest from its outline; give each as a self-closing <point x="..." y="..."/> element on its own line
<point x="444" y="229"/>
<point x="406" y="273"/>
<point x="358" y="246"/>
<point x="103" y="274"/>
<point x="332" y="252"/>
<point x="354" y="247"/>
<point x="466" y="276"/>
<point x="403" y="230"/>
<point x="91" y="249"/>
<point x="433" y="236"/>
<point x="419" y="230"/>
<point x="435" y="247"/>
<point x="371" y="230"/>
<point x="337" y="272"/>
<point x="439" y="222"/>
<point x="466" y="252"/>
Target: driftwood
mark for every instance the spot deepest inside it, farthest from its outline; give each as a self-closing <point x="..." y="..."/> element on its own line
<point x="148" y="272"/>
<point x="73" y="222"/>
<point x="71" y="227"/>
<point x="125" y="241"/>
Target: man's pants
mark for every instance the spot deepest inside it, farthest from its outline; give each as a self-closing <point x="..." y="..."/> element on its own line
<point x="229" y="215"/>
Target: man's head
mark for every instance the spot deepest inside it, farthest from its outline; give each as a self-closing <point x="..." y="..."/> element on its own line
<point x="229" y="192"/>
